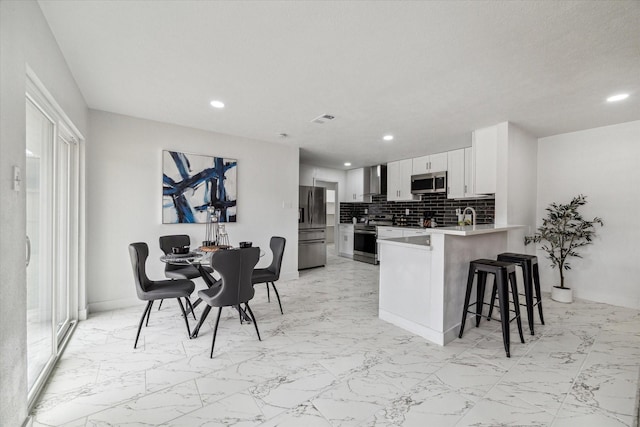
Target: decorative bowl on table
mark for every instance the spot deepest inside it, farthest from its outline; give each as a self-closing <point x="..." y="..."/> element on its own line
<point x="214" y="248"/>
<point x="246" y="244"/>
<point x="180" y="250"/>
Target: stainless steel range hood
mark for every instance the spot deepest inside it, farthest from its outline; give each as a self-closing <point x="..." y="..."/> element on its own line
<point x="377" y="181"/>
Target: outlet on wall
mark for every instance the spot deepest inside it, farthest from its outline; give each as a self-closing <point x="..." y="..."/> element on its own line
<point x="407" y="212"/>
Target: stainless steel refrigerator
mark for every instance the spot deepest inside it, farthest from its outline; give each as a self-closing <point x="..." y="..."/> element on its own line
<point x="312" y="227"/>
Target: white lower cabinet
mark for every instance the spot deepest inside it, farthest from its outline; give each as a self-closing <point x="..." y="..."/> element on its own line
<point x="345" y="244"/>
<point x="394" y="232"/>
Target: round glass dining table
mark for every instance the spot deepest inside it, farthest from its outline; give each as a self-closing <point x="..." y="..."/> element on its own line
<point x="200" y="260"/>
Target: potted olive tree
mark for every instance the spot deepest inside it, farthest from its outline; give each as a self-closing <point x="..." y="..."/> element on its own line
<point x="562" y="233"/>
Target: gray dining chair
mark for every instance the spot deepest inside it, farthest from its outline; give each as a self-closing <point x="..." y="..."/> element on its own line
<point x="235" y="267"/>
<point x="152" y="290"/>
<point x="172" y="271"/>
<point x="271" y="274"/>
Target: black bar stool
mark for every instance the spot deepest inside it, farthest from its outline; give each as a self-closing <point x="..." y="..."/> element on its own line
<point x="529" y="264"/>
<point x="503" y="272"/>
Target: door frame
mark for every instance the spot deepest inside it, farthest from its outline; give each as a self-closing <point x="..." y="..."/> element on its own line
<point x="64" y="129"/>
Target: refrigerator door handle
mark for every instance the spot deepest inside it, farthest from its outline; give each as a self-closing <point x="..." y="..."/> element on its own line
<point x="310" y="242"/>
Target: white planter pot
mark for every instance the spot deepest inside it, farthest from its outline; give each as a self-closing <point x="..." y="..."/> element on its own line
<point x="564" y="295"/>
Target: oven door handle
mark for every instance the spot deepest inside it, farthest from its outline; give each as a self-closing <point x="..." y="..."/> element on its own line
<point x="364" y="232"/>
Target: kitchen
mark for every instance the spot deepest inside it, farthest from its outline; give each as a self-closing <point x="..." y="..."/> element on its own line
<point x="432" y="191"/>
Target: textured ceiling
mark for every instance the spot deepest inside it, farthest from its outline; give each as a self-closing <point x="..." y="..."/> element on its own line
<point x="427" y="72"/>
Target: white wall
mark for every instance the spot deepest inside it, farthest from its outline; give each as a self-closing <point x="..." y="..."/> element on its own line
<point x="522" y="173"/>
<point x="310" y="174"/>
<point x="516" y="183"/>
<point x="25" y="38"/>
<point x="124" y="197"/>
<point x="602" y="164"/>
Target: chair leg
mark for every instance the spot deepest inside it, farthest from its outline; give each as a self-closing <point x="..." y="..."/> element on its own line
<point x="516" y="304"/>
<point x="215" y="332"/>
<point x="246" y="304"/>
<point x="186" y="318"/>
<point x="503" y="301"/>
<point x="536" y="282"/>
<point x="528" y="293"/>
<point x="481" y="285"/>
<point x="203" y="316"/>
<point x="160" y="305"/>
<point x="149" y="313"/>
<point x="190" y="307"/>
<point x="268" y="296"/>
<point x="239" y="313"/>
<point x="277" y="295"/>
<point x="467" y="297"/>
<point x="494" y="294"/>
<point x="144" y="314"/>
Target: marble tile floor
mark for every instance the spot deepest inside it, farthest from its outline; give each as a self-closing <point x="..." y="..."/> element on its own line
<point x="329" y="361"/>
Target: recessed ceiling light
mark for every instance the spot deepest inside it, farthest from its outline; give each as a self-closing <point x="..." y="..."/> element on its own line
<point x="347" y="164"/>
<point x="217" y="104"/>
<point x="618" y="97"/>
<point x="388" y="137"/>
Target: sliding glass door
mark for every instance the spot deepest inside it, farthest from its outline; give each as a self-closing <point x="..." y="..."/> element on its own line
<point x="52" y="195"/>
<point x="39" y="189"/>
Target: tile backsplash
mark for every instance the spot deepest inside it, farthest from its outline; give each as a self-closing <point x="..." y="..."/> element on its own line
<point x="443" y="209"/>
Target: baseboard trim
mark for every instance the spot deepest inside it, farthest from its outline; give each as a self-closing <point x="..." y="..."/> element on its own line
<point x="96" y="307"/>
<point x="289" y="275"/>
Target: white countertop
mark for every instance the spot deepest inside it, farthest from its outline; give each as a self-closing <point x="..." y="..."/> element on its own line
<point x="468" y="230"/>
<point x="474" y="230"/>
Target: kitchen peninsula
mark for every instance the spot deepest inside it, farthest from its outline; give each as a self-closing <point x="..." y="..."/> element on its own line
<point x="423" y="278"/>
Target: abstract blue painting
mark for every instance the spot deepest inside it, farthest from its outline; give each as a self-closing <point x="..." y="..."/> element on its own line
<point x="192" y="182"/>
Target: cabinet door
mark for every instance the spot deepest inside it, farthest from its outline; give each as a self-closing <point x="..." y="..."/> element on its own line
<point x="355" y="178"/>
<point x="404" y="185"/>
<point x="429" y="164"/>
<point x="469" y="190"/>
<point x="346" y="240"/>
<point x="420" y="165"/>
<point x="455" y="174"/>
<point x="393" y="181"/>
<point x="485" y="154"/>
<point x="438" y="162"/>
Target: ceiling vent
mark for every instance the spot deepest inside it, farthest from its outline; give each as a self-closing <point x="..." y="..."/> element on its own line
<point x="323" y="119"/>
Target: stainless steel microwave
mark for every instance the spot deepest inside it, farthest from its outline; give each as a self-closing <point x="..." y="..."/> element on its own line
<point x="429" y="183"/>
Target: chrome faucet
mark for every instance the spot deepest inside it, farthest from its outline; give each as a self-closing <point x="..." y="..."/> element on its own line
<point x="473" y="214"/>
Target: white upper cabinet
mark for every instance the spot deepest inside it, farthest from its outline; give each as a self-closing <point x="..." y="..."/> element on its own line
<point x="485" y="159"/>
<point x="429" y="164"/>
<point x="460" y="174"/>
<point x="456" y="174"/>
<point x="357" y="184"/>
<point x="399" y="180"/>
<point x="469" y="174"/>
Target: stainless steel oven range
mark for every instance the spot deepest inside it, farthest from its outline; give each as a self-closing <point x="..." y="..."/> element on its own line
<point x="365" y="235"/>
